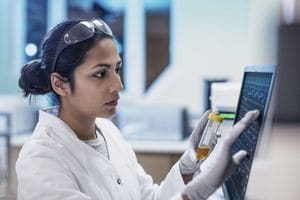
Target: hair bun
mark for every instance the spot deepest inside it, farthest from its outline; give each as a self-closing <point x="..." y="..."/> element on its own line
<point x="36" y="63"/>
<point x="33" y="80"/>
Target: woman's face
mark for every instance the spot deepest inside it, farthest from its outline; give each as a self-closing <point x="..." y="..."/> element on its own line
<point x="97" y="81"/>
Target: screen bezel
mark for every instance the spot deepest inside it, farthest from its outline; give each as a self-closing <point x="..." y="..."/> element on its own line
<point x="259" y="69"/>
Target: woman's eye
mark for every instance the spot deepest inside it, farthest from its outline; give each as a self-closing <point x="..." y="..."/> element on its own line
<point x="100" y="74"/>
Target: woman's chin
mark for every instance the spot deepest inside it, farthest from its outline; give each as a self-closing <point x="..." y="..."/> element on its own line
<point x="108" y="114"/>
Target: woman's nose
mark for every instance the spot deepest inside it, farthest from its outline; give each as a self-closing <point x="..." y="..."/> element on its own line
<point x="117" y="85"/>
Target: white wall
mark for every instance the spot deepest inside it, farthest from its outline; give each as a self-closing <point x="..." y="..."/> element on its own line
<point x="12" y="23"/>
<point x="263" y="27"/>
<point x="134" y="57"/>
<point x="213" y="39"/>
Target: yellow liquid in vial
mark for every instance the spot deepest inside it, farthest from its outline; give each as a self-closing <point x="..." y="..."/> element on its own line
<point x="202" y="152"/>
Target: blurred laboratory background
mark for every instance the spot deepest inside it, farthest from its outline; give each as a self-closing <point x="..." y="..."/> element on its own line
<point x="180" y="58"/>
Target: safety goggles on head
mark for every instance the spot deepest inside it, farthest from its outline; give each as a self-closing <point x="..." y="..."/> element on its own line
<point x="81" y="32"/>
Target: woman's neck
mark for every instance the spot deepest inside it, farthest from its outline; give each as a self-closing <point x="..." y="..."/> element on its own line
<point x="84" y="127"/>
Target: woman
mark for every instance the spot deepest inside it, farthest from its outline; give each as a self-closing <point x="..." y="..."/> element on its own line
<point x="74" y="152"/>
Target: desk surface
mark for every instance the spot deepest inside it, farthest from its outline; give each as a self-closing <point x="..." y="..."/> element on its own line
<point x="139" y="146"/>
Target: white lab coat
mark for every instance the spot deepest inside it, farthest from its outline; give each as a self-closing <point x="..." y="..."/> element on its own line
<point x="54" y="164"/>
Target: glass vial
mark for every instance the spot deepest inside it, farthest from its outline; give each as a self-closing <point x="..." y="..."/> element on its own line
<point x="209" y="136"/>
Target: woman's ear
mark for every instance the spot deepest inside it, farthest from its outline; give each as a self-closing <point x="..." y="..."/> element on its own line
<point x="59" y="84"/>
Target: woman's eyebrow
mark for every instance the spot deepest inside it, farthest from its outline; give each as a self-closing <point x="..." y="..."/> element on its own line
<point x="105" y="65"/>
<point x="100" y="65"/>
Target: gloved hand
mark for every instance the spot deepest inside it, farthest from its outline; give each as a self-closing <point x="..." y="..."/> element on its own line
<point x="219" y="165"/>
<point x="187" y="162"/>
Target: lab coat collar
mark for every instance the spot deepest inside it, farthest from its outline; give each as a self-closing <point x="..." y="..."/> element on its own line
<point x="65" y="136"/>
<point x="49" y="116"/>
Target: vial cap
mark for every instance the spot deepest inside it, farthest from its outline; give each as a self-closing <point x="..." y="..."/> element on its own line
<point x="215" y="117"/>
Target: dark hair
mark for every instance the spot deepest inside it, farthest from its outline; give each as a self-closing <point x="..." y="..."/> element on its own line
<point x="35" y="75"/>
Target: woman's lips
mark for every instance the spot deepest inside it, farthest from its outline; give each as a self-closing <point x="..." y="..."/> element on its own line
<point x="112" y="103"/>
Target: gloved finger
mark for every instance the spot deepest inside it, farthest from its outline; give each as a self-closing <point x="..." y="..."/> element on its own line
<point x="249" y="117"/>
<point x="240" y="126"/>
<point x="239" y="156"/>
<point x="197" y="132"/>
<point x="235" y="161"/>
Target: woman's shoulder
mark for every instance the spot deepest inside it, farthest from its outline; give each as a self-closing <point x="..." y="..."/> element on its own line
<point x="39" y="144"/>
